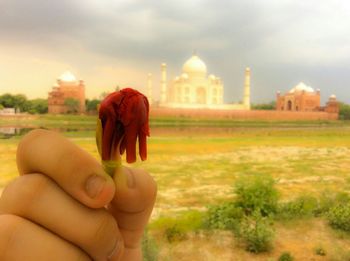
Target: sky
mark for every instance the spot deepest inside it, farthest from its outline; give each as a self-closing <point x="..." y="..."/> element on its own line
<point x="118" y="42"/>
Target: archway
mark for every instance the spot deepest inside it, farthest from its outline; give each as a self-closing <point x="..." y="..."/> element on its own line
<point x="201" y="95"/>
<point x="289" y="105"/>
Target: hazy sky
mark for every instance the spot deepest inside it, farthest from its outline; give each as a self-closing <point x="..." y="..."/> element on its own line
<point x="117" y="42"/>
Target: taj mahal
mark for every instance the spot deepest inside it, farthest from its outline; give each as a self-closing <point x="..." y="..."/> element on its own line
<point x="194" y="88"/>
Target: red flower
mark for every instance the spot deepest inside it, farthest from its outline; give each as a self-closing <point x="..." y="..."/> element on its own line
<point x="124" y="118"/>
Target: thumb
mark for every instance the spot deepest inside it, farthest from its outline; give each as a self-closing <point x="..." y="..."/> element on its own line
<point x="133" y="203"/>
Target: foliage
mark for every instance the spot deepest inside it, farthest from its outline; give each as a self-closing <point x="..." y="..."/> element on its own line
<point x="38" y="106"/>
<point x="18" y="101"/>
<point x="149" y="248"/>
<point x="344" y="111"/>
<point x="303" y="206"/>
<point x="257" y="193"/>
<point x="176" y="228"/>
<point x="175" y="233"/>
<point x="320" y="251"/>
<point x="72" y="105"/>
<point x="339" y="217"/>
<point x="286" y="256"/>
<point x="91" y="105"/>
<point x="1" y="106"/>
<point x="256" y="233"/>
<point x="264" y="106"/>
<point x="224" y="216"/>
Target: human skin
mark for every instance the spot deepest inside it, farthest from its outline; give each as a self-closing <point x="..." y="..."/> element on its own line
<point x="63" y="206"/>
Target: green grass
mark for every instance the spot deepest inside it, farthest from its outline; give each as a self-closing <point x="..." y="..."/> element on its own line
<point x="198" y="166"/>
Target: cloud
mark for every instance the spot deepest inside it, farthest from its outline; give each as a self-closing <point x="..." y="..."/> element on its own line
<point x="275" y="38"/>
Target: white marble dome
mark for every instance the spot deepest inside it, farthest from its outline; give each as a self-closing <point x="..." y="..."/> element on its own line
<point x="302" y="87"/>
<point x="195" y="66"/>
<point x="67" y="77"/>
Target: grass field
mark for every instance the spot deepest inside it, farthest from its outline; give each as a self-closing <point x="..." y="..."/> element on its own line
<point x="197" y="166"/>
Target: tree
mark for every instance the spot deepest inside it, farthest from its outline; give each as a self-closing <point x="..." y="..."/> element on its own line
<point x="344" y="111"/>
<point x="264" y="106"/>
<point x="38" y="106"/>
<point x="72" y="105"/>
<point x="91" y="105"/>
<point x="18" y="101"/>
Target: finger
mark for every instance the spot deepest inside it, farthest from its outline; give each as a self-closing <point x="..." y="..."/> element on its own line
<point x="39" y="199"/>
<point x="76" y="172"/>
<point x="132" y="206"/>
<point x="21" y="239"/>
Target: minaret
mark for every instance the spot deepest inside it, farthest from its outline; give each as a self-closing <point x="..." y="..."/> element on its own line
<point x="246" y="98"/>
<point x="149" y="89"/>
<point x="163" y="97"/>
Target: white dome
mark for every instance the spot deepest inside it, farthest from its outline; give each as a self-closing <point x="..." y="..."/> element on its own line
<point x="184" y="76"/>
<point x="194" y="65"/>
<point x="302" y="87"/>
<point x="212" y="77"/>
<point x="67" y="77"/>
<point x="332" y="96"/>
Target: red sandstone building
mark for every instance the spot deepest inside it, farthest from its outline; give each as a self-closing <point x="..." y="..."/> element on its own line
<point x="67" y="95"/>
<point x="304" y="98"/>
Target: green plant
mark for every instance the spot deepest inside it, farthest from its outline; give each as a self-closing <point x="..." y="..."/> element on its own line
<point x="320" y="251"/>
<point x="286" y="256"/>
<point x="257" y="193"/>
<point x="149" y="248"/>
<point x="175" y="233"/>
<point x="304" y="206"/>
<point x="256" y="233"/>
<point x="339" y="217"/>
<point x="224" y="216"/>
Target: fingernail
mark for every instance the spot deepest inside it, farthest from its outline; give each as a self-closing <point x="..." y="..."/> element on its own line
<point x="94" y="185"/>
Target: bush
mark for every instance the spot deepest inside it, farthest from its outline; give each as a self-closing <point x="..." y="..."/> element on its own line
<point x="149" y="248"/>
<point x="320" y="251"/>
<point x="175" y="233"/>
<point x="344" y="111"/>
<point x="304" y="206"/>
<point x="286" y="256"/>
<point x="256" y="233"/>
<point x="339" y="217"/>
<point x="176" y="229"/>
<point x="257" y="193"/>
<point x="224" y="216"/>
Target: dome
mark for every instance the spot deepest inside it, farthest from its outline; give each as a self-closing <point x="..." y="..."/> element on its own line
<point x="194" y="65"/>
<point x="184" y="76"/>
<point x="302" y="87"/>
<point x="332" y="96"/>
<point x="212" y="77"/>
<point x="67" y="77"/>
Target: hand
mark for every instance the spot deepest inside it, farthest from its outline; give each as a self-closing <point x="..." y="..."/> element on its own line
<point x="68" y="208"/>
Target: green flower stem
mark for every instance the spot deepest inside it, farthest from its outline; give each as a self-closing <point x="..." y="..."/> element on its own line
<point x="115" y="170"/>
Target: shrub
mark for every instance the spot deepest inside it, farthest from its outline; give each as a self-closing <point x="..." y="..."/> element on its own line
<point x="286" y="256"/>
<point x="257" y="193"/>
<point x="175" y="233"/>
<point x="176" y="229"/>
<point x="320" y="251"/>
<point x="339" y="217"/>
<point x="329" y="200"/>
<point x="224" y="216"/>
<point x="304" y="206"/>
<point x="149" y="248"/>
<point x="256" y="233"/>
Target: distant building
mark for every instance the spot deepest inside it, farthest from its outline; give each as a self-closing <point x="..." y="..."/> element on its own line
<point x="194" y="88"/>
<point x="66" y="93"/>
<point x="9" y="111"/>
<point x="304" y="98"/>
